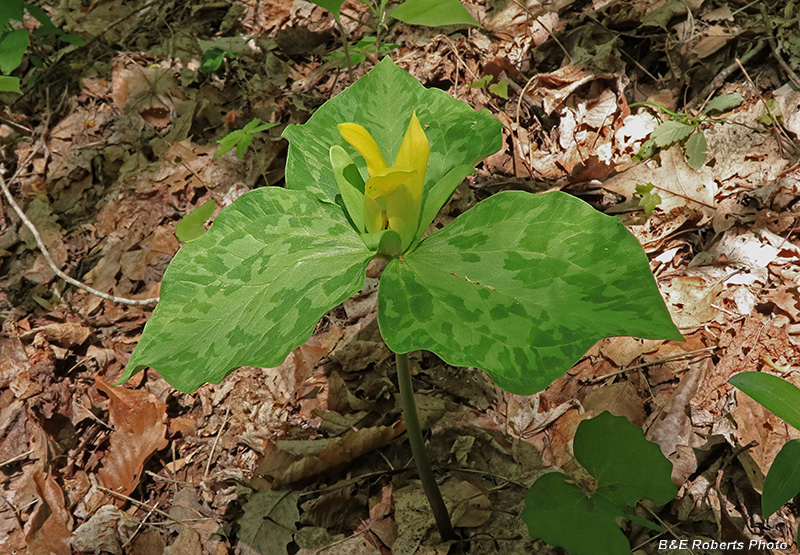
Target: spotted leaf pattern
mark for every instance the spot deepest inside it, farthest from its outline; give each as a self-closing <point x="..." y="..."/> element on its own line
<point x="521" y="286"/>
<point x="383" y="101"/>
<point x="251" y="289"/>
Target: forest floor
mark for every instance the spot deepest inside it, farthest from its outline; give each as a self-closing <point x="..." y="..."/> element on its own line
<point x="116" y="141"/>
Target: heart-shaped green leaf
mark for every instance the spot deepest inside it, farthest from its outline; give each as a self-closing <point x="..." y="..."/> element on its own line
<point x="783" y="479"/>
<point x="627" y="468"/>
<point x="560" y="513"/>
<point x="383" y="101"/>
<point x="521" y="286"/>
<point x="250" y="289"/>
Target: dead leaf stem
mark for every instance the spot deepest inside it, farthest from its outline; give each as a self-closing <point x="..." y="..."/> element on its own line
<point x="686" y="355"/>
<point x="72" y="281"/>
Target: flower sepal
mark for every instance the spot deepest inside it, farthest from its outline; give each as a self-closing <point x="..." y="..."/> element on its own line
<point x="386" y="242"/>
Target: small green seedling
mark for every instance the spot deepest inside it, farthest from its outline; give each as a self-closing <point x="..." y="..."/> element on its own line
<point x="520" y="286"/>
<point x="360" y="50"/>
<point x="498" y="89"/>
<point x="14" y="42"/>
<point x="242" y="138"/>
<point x="782" y="399"/>
<point x="773" y="113"/>
<point x="192" y="225"/>
<point x="626" y="468"/>
<point x="649" y="200"/>
<point x="213" y="58"/>
<point x="686" y="130"/>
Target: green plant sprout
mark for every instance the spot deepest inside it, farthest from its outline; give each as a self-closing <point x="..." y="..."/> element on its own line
<point x="431" y="13"/>
<point x="213" y="58"/>
<point x="242" y="138"/>
<point x="625" y="467"/>
<point x="14" y="42"/>
<point x="360" y="50"/>
<point x="686" y="129"/>
<point x="782" y="399"/>
<point x="520" y="286"/>
<point x="648" y="199"/>
<point x="498" y="89"/>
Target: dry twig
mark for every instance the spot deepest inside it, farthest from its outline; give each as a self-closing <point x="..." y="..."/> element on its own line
<point x="46" y="253"/>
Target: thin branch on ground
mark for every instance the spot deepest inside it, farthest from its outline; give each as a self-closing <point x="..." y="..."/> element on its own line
<point x="46" y="253"/>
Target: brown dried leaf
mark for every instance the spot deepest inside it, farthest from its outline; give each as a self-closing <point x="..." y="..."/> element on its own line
<point x="283" y="468"/>
<point x="49" y="528"/>
<point x="65" y="334"/>
<point x="139" y="424"/>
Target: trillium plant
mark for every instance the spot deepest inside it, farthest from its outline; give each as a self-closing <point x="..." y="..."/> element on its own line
<point x="519" y="286"/>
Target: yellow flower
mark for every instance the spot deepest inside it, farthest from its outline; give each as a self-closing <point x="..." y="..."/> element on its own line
<point x="393" y="195"/>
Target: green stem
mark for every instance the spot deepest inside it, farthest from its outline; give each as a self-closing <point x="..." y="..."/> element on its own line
<point x="418" y="449"/>
<point x="346" y="48"/>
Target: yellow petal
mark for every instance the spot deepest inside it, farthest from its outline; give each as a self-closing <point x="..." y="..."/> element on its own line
<point x="374" y="219"/>
<point x="402" y="213"/>
<point x="385" y="182"/>
<point x="413" y="153"/>
<point x="360" y="139"/>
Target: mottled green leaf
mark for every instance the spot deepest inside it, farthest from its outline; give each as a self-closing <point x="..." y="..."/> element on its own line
<point x="433" y="13"/>
<point x="12" y="48"/>
<point x="724" y="102"/>
<point x="778" y="396"/>
<point x="383" y="101"/>
<point x="783" y="479"/>
<point x="251" y="289"/>
<point x="696" y="148"/>
<point x="626" y="467"/>
<point x="269" y="522"/>
<point x="192" y="225"/>
<point x="560" y="513"/>
<point x="670" y="132"/>
<point x="521" y="286"/>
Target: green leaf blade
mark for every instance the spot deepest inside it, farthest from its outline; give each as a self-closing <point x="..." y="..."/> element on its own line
<point x="776" y="395"/>
<point x="333" y="6"/>
<point x="192" y="225"/>
<point x="783" y="479"/>
<point x="527" y="299"/>
<point x="250" y="289"/>
<point x="671" y="132"/>
<point x="561" y="514"/>
<point x="456" y="132"/>
<point x="9" y="84"/>
<point x="696" y="148"/>
<point x="433" y="13"/>
<point x="724" y="102"/>
<point x="627" y="466"/>
<point x="12" y="49"/>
